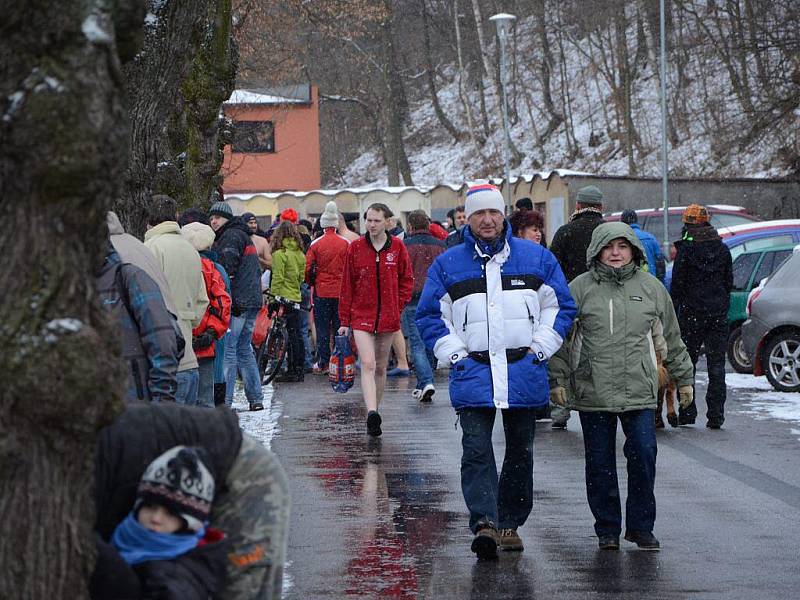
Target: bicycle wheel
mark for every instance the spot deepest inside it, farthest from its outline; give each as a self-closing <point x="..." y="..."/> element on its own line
<point x="272" y="353"/>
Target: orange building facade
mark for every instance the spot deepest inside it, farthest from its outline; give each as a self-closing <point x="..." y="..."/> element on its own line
<point x="276" y="140"/>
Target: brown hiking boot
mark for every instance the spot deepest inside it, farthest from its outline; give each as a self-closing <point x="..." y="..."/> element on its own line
<point x="485" y="543"/>
<point x="510" y="541"/>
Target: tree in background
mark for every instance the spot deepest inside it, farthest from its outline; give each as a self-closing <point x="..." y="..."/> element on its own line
<point x="89" y="118"/>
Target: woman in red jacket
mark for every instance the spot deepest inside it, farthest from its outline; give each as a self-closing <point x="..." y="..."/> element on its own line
<point x="376" y="285"/>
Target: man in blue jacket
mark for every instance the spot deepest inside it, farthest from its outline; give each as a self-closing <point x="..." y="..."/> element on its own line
<point x="496" y="308"/>
<point x="655" y="259"/>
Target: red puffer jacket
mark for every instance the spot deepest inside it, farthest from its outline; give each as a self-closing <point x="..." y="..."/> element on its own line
<point x="375" y="285"/>
<point x="218" y="314"/>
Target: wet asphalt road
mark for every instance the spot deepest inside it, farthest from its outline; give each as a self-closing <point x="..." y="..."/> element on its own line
<point x="385" y="518"/>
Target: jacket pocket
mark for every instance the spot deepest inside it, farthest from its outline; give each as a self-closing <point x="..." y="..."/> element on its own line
<point x="651" y="377"/>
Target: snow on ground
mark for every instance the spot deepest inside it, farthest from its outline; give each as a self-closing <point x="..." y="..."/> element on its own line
<point x="263" y="424"/>
<point x="760" y="399"/>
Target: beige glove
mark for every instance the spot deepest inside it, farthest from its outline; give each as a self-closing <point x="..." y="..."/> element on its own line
<point x="558" y="395"/>
<point x="685" y="395"/>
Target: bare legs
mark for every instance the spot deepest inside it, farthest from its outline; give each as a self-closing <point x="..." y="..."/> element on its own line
<point x="399" y="345"/>
<point x="373" y="350"/>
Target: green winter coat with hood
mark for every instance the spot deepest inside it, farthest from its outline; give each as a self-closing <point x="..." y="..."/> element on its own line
<point x="288" y="270"/>
<point x="608" y="362"/>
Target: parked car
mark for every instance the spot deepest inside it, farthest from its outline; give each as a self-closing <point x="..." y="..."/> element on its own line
<point x="749" y="237"/>
<point x="771" y="336"/>
<point x="749" y="269"/>
<point x="721" y="216"/>
<point x="762" y="234"/>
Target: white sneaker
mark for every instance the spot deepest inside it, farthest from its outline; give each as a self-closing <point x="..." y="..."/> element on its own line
<point x="426" y="393"/>
<point x="416" y="394"/>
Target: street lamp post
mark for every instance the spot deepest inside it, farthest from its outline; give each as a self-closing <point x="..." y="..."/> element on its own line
<point x="503" y="23"/>
<point x="664" y="165"/>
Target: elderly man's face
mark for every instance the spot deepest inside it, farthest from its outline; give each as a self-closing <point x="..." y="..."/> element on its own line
<point x="486" y="224"/>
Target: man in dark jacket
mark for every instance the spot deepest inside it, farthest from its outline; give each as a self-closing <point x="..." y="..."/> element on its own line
<point x="148" y="332"/>
<point x="459" y="221"/>
<point x="702" y="279"/>
<point x="572" y="240"/>
<point x="251" y="503"/>
<point x="423" y="249"/>
<point x="239" y="257"/>
<point x="570" y="244"/>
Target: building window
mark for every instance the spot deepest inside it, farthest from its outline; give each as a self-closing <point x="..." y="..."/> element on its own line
<point x="254" y="137"/>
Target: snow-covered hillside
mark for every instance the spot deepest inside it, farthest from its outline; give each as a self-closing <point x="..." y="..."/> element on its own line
<point x="434" y="156"/>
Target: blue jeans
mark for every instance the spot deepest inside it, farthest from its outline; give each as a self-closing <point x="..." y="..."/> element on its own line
<point x="326" y="320"/>
<point x="419" y="354"/>
<point x="508" y="502"/>
<point x="602" y="488"/>
<point x="303" y="324"/>
<point x="188" y="382"/>
<point x="239" y="357"/>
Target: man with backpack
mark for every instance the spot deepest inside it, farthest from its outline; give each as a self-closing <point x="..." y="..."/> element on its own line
<point x="151" y="347"/>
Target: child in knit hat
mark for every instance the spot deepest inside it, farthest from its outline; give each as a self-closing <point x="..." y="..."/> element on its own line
<point x="165" y="540"/>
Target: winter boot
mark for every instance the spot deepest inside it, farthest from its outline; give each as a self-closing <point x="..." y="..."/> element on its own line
<point x="219" y="394"/>
<point x="485" y="542"/>
<point x="510" y="540"/>
<point x="644" y="539"/>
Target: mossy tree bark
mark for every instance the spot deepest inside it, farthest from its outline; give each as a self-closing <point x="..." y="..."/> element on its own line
<point x="62" y="156"/>
<point x="176" y="86"/>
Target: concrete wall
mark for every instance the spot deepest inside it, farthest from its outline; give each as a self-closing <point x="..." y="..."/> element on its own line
<point x="766" y="199"/>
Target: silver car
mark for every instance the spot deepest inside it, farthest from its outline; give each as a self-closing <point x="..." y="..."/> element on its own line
<point x="771" y="336"/>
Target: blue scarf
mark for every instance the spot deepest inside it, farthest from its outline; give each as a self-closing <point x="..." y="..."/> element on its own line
<point x="137" y="544"/>
<point x="491" y="247"/>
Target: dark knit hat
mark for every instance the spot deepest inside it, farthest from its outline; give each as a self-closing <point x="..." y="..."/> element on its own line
<point x="590" y="194"/>
<point x="629" y="216"/>
<point x="223" y="209"/>
<point x="180" y="481"/>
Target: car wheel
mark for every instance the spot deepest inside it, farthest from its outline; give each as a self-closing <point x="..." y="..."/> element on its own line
<point x="782" y="361"/>
<point x="736" y="354"/>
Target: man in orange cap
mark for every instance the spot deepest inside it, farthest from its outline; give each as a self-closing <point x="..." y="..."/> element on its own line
<point x="702" y="279"/>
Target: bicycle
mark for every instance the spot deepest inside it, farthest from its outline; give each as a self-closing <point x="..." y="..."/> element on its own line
<point x="272" y="353"/>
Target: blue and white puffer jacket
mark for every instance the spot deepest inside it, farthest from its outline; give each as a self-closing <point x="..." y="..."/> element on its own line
<point x="516" y="299"/>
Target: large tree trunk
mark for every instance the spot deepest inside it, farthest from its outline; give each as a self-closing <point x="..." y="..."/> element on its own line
<point x="64" y="151"/>
<point x="177" y="35"/>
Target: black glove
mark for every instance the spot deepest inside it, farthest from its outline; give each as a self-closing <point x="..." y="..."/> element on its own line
<point x="204" y="340"/>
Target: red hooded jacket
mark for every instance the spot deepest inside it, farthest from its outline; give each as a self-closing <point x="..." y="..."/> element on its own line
<point x="375" y="285"/>
<point x="218" y="313"/>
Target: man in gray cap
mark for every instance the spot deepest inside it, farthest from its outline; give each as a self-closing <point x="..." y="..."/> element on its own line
<point x="569" y="245"/>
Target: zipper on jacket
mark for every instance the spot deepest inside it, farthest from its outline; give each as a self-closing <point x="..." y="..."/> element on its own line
<point x="464" y="326"/>
<point x="378" y="279"/>
<point x="611" y="315"/>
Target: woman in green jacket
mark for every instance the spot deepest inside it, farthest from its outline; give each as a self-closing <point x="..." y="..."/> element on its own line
<point x="288" y="272"/>
<point x="607" y="370"/>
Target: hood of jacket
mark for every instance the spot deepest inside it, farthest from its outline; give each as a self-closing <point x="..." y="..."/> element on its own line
<point x="602" y="236"/>
<point x="162" y="229"/>
<point x="290" y="245"/>
<point x="114" y="224"/>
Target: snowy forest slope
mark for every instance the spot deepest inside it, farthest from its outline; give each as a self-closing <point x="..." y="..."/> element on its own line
<point x="584" y="94"/>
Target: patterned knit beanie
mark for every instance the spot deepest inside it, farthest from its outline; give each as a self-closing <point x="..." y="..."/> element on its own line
<point x="482" y="197"/>
<point x="180" y="481"/>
